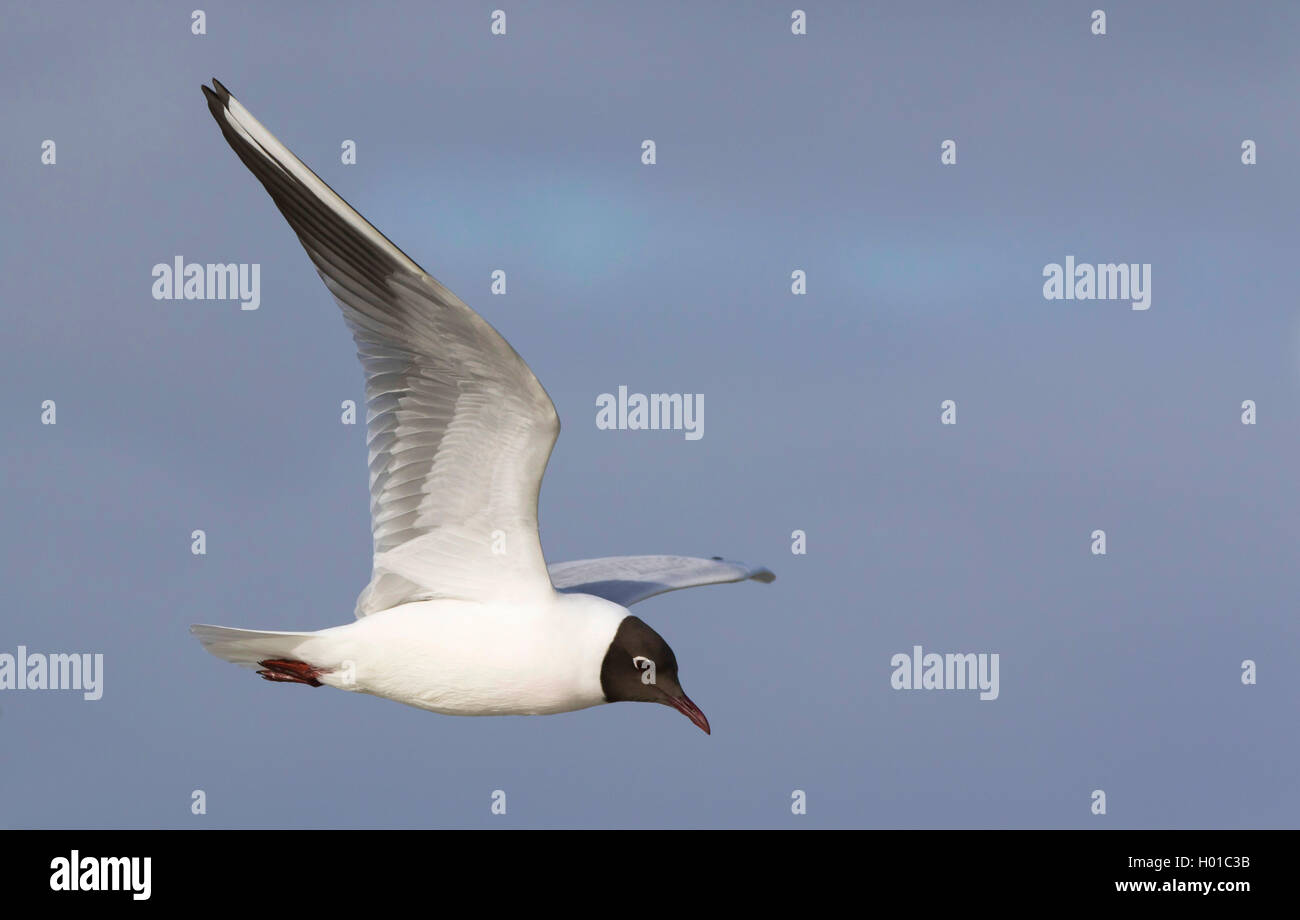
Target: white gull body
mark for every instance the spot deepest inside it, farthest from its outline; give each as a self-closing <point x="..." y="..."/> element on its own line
<point x="454" y="657"/>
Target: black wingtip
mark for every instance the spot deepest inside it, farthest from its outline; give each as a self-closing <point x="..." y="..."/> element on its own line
<point x="215" y="105"/>
<point x="222" y="92"/>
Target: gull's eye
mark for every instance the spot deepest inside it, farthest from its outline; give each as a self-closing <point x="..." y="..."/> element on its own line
<point x="646" y="667"/>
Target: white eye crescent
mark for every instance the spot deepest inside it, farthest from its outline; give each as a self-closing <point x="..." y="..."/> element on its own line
<point x="646" y="667"/>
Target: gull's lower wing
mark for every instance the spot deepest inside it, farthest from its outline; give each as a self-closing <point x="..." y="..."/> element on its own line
<point x="459" y="429"/>
<point x="628" y="579"/>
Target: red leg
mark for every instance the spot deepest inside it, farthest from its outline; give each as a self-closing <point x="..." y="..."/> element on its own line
<point x="293" y="672"/>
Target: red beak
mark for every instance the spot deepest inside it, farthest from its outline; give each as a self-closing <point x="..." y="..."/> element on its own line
<point x="684" y="705"/>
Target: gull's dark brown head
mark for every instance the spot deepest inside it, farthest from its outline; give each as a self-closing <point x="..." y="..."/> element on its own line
<point x="640" y="667"/>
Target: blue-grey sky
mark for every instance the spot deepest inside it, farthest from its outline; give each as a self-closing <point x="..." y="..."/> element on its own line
<point x="775" y="152"/>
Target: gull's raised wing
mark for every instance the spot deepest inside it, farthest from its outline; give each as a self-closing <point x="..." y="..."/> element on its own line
<point x="628" y="579"/>
<point x="459" y="429"/>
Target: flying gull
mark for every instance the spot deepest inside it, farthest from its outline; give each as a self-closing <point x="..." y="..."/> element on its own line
<point x="459" y="433"/>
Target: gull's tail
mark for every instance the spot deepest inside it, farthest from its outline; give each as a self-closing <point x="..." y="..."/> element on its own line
<point x="274" y="654"/>
<point x="248" y="647"/>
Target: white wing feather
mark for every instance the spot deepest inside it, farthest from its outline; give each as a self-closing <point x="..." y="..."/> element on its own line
<point x="459" y="429"/>
<point x="628" y="579"/>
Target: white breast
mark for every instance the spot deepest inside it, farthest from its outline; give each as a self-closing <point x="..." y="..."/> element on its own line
<point x="464" y="658"/>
